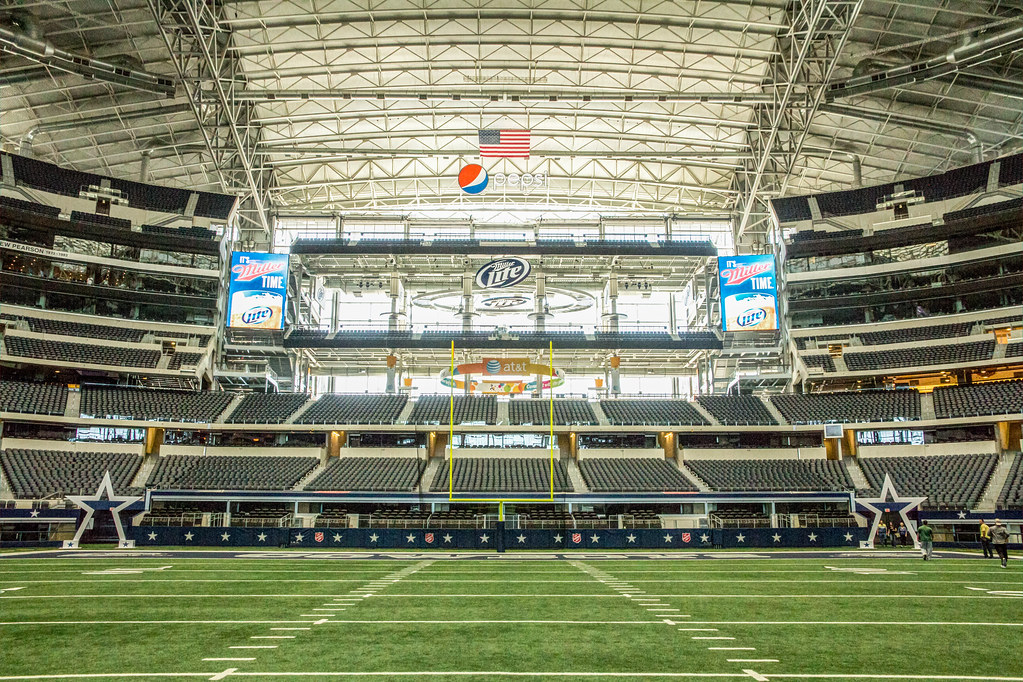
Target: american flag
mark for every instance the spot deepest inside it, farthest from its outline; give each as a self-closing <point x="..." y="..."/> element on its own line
<point x="507" y="144"/>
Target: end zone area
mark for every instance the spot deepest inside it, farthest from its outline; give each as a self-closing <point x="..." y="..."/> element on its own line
<point x="575" y="616"/>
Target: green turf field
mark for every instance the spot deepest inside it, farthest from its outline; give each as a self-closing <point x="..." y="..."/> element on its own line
<point x="445" y="620"/>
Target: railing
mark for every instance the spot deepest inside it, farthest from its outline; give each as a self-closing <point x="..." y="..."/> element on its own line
<point x="818" y="521"/>
<point x="751" y="522"/>
<point x="181" y="520"/>
<point x="262" y="521"/>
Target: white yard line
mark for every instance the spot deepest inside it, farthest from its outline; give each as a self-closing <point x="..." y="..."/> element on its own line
<point x="511" y="674"/>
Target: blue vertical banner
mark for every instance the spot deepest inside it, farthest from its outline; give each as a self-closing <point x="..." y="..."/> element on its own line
<point x="258" y="288"/>
<point x="749" y="293"/>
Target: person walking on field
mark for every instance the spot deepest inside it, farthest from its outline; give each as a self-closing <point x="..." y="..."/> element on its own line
<point x="903" y="534"/>
<point x="1000" y="540"/>
<point x="926" y="535"/>
<point x="985" y="540"/>
<point x="882" y="534"/>
<point x="892" y="534"/>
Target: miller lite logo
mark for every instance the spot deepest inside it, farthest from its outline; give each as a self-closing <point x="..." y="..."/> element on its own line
<point x="737" y="274"/>
<point x="577" y="538"/>
<point x="686" y="537"/>
<point x="318" y="537"/>
<point x="502" y="273"/>
<point x="429" y="538"/>
<point x="246" y="272"/>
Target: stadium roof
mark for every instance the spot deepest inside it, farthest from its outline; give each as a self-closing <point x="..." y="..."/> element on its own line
<point x="684" y="106"/>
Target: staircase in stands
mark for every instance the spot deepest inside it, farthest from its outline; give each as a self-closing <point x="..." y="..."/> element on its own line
<point x="989" y="498"/>
<point x="859" y="479"/>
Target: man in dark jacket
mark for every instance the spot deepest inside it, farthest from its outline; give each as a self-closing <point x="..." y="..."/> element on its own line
<point x="1000" y="541"/>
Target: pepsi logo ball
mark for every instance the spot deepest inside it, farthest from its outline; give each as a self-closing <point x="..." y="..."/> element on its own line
<point x="472" y="178"/>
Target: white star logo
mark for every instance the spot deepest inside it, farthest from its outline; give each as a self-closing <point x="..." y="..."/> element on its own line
<point x="152" y="536"/>
<point x="667" y="537"/>
<point x="337" y="537"/>
<point x="740" y="538"/>
<point x="410" y="537"/>
<point x="630" y="537"/>
<point x="777" y="538"/>
<point x="261" y="537"/>
<point x="225" y="537"/>
<point x="962" y="515"/>
<point x="704" y="538"/>
<point x="34" y="513"/>
<point x="484" y="538"/>
<point x="557" y="538"/>
<point x="848" y="537"/>
<point x="92" y="503"/>
<point x="189" y="536"/>
<point x="374" y="537"/>
<point x="299" y="538"/>
<point x="813" y="537"/>
<point x="890" y="500"/>
<point x="521" y="539"/>
<point x="594" y="538"/>
<point x="447" y="538"/>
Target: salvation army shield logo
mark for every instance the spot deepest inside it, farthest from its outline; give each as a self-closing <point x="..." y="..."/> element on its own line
<point x="429" y="538"/>
<point x="686" y="537"/>
<point x="577" y="538"/>
<point x="318" y="536"/>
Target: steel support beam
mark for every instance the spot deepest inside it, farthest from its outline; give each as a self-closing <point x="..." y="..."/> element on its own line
<point x="807" y="54"/>
<point x="200" y="50"/>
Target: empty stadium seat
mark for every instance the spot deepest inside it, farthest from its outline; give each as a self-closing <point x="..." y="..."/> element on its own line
<point x="527" y="412"/>
<point x="153" y="405"/>
<point x="771" y="474"/>
<point x="267" y="408"/>
<point x="962" y="353"/>
<point x="229" y="472"/>
<point x="611" y="474"/>
<point x="32" y="398"/>
<point x="436" y="409"/>
<point x="849" y="407"/>
<point x="47" y="473"/>
<point x="657" y="412"/>
<point x="737" y="410"/>
<point x="369" y="473"/>
<point x="1000" y="397"/>
<point x="490" y="474"/>
<point x="82" y="352"/>
<point x="948" y="481"/>
<point x="334" y="408"/>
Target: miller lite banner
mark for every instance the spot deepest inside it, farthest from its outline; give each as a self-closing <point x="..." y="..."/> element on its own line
<point x="502" y="273"/>
<point x="749" y="293"/>
<point x="257" y="290"/>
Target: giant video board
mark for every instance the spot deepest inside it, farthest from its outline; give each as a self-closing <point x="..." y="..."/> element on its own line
<point x="749" y="293"/>
<point x="259" y="286"/>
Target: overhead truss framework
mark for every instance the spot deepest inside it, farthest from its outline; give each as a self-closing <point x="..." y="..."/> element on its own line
<point x="659" y="106"/>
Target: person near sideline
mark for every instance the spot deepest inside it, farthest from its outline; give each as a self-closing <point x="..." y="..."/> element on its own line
<point x="903" y="534"/>
<point x="1000" y="541"/>
<point x="892" y="534"/>
<point x="882" y="534"/>
<point x="985" y="540"/>
<point x="926" y="535"/>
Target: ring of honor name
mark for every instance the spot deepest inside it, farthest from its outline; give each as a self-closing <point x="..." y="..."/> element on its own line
<point x="749" y="295"/>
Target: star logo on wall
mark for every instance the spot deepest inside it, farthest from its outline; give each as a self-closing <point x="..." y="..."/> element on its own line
<point x="103" y="499"/>
<point x="667" y="537"/>
<point x="892" y="502"/>
<point x="557" y="538"/>
<point x="776" y="537"/>
<point x="740" y="538"/>
<point x="337" y="537"/>
<point x="410" y="537"/>
<point x="189" y="536"/>
<point x="813" y="537"/>
<point x="521" y="539"/>
<point x="299" y="538"/>
<point x="848" y="537"/>
<point x="630" y="537"/>
<point x="594" y="538"/>
<point x="704" y="538"/>
<point x="261" y="537"/>
<point x="225" y="537"/>
<point x="962" y="515"/>
<point x="447" y="538"/>
<point x="484" y="538"/>
<point x="151" y="536"/>
<point x="374" y="537"/>
<point x="34" y="513"/>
